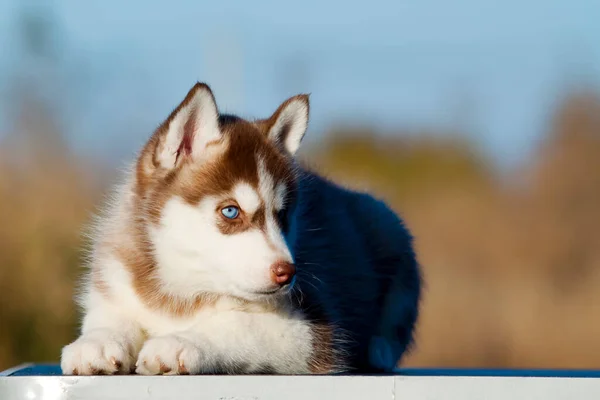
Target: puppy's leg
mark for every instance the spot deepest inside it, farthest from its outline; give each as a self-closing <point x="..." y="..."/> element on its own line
<point x="108" y="344"/>
<point x="232" y="342"/>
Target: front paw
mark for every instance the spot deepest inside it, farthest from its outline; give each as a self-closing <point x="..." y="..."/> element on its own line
<point x="169" y="355"/>
<point x="97" y="353"/>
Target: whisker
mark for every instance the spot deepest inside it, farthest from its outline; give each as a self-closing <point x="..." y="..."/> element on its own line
<point x="299" y="294"/>
<point x="311" y="284"/>
<point x="313" y="276"/>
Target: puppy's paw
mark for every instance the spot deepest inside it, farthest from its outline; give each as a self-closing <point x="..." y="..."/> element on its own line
<point x="97" y="353"/>
<point x="169" y="355"/>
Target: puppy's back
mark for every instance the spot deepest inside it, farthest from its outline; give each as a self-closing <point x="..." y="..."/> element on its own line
<point x="360" y="271"/>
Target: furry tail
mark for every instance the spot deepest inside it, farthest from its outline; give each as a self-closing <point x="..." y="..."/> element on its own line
<point x="399" y="316"/>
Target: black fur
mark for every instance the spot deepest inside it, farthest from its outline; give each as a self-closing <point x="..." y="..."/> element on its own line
<point x="356" y="269"/>
<point x="228" y="119"/>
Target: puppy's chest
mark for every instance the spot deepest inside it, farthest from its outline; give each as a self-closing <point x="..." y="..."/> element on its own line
<point x="156" y="323"/>
<point x="223" y="318"/>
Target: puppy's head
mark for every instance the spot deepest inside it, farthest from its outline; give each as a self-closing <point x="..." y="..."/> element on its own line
<point x="214" y="198"/>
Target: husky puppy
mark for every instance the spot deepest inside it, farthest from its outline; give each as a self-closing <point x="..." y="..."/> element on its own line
<point x="220" y="254"/>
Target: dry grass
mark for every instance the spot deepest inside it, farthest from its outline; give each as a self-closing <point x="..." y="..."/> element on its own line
<point x="512" y="262"/>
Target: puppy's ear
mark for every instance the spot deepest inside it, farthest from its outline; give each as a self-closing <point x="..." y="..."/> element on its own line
<point x="188" y="131"/>
<point x="287" y="126"/>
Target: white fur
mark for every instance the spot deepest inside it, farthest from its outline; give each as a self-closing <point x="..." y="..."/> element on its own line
<point x="193" y="257"/>
<point x="295" y="114"/>
<point x="246" y="197"/>
<point x="217" y="334"/>
<point x="266" y="184"/>
<point x="102" y="349"/>
<point x="273" y="199"/>
<point x="109" y="336"/>
<point x="221" y="334"/>
<point x="280" y="192"/>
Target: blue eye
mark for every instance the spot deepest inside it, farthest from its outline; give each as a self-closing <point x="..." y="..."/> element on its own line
<point x="230" y="212"/>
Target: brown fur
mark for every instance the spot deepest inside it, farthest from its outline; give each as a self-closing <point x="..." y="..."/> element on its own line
<point x="323" y="360"/>
<point x="234" y="160"/>
<point x="99" y="283"/>
<point x="231" y="159"/>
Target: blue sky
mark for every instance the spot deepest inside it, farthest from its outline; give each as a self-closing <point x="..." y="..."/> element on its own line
<point x="494" y="68"/>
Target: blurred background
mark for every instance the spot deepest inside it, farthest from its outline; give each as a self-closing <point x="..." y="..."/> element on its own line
<point x="477" y="120"/>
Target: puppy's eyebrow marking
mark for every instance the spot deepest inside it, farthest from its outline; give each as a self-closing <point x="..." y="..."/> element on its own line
<point x="266" y="184"/>
<point x="280" y="191"/>
<point x="247" y="197"/>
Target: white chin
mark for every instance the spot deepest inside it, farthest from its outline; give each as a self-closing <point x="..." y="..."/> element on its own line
<point x="264" y="294"/>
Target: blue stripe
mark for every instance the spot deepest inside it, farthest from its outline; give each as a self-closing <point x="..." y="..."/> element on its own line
<point x="53" y="370"/>
<point x="551" y="373"/>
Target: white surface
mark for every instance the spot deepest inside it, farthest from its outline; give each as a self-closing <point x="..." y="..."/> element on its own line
<point x="496" y="388"/>
<point x="297" y="388"/>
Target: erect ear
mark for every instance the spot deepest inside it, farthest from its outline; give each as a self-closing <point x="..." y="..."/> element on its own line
<point x="287" y="126"/>
<point x="190" y="128"/>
